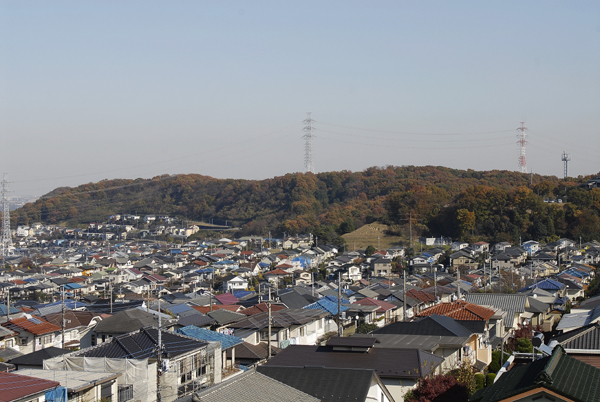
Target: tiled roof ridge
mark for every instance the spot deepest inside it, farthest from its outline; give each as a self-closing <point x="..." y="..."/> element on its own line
<point x="546" y="374"/>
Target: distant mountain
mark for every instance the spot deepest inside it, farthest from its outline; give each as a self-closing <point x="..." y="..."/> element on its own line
<point x="489" y="204"/>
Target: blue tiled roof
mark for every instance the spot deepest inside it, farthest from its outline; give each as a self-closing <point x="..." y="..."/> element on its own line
<point x="242" y="293"/>
<point x="179" y="308"/>
<point x="12" y="310"/>
<point x="334" y="299"/>
<point x="227" y="341"/>
<point x="326" y="305"/>
<point x="545" y="284"/>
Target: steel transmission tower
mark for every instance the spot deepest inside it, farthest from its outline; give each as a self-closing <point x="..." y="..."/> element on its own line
<point x="308" y="136"/>
<point x="6" y="245"/>
<point x="522" y="142"/>
<point x="566" y="158"/>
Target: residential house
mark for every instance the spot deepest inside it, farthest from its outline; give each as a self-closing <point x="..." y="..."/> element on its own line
<point x="188" y="364"/>
<point x="398" y="369"/>
<point x="362" y="385"/>
<point x="558" y="377"/>
<point x="34" y="333"/>
<point x="28" y="389"/>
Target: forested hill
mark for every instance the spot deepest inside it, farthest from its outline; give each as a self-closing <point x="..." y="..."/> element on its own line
<point x="493" y="205"/>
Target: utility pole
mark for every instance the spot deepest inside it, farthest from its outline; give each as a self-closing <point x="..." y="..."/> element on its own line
<point x="7" y="304"/>
<point x="111" y="297"/>
<point x="340" y="326"/>
<point x="270" y="325"/>
<point x="62" y="327"/>
<point x="404" y="296"/>
<point x="159" y="351"/>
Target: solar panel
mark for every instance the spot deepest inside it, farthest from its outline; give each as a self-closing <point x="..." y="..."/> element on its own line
<point x="34" y="320"/>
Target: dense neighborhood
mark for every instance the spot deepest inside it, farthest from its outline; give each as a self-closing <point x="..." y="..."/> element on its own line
<point x="93" y="315"/>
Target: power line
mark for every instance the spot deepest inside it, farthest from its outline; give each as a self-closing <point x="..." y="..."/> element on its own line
<point x="6" y="245"/>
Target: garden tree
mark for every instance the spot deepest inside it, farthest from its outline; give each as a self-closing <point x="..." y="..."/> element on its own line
<point x="364" y="328"/>
<point x="438" y="388"/>
<point x="369" y="250"/>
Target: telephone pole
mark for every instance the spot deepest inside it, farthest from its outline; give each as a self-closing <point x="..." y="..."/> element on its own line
<point x="159" y="352"/>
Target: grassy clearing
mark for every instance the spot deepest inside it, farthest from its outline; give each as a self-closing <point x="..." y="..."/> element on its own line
<point x="371" y="234"/>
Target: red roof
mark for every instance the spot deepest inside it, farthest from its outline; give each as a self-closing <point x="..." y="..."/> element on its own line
<point x="226" y="298"/>
<point x="460" y="310"/>
<point x="246" y="252"/>
<point x="277" y="272"/>
<point x="383" y="305"/>
<point x="19" y="282"/>
<point x="201" y="263"/>
<point x="420" y="295"/>
<point x="77" y="279"/>
<point x="16" y="386"/>
<point x="35" y="325"/>
<point x="286" y="266"/>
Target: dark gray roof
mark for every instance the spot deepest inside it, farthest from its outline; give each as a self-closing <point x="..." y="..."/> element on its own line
<point x="326" y="384"/>
<point x="292" y="299"/>
<point x="388" y="363"/>
<point x="430" y="325"/>
<point x="127" y="321"/>
<point x="222" y="316"/>
<point x="37" y="358"/>
<point x="584" y="338"/>
<point x="142" y="344"/>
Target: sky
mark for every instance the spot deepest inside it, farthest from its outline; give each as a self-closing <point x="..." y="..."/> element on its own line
<point x="125" y="89"/>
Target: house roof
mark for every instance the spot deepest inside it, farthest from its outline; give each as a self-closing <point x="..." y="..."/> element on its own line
<point x="226" y="298"/>
<point x="37" y="358"/>
<point x="383" y="305"/>
<point x="26" y="386"/>
<point x="127" y="321"/>
<point x="142" y="344"/>
<point x="249" y="351"/>
<point x="252" y="386"/>
<point x="388" y="363"/>
<point x="584" y="338"/>
<point x="459" y="310"/>
<point x="430" y="325"/>
<point x="560" y="373"/>
<point x="227" y="341"/>
<point x="326" y="384"/>
<point x="33" y="324"/>
<point x="261" y="308"/>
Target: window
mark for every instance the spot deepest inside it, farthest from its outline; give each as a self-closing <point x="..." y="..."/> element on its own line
<point x="9" y="343"/>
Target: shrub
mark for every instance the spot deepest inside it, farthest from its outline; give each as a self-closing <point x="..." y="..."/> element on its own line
<point x="364" y="328"/>
<point x="439" y="388"/>
<point x="479" y="381"/>
<point x="489" y="379"/>
<point x="524" y="345"/>
<point x="494" y="366"/>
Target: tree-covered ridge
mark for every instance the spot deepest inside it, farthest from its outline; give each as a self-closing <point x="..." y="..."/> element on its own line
<point x="442" y="201"/>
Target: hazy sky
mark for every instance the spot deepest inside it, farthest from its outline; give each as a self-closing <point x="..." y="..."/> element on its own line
<point x="125" y="89"/>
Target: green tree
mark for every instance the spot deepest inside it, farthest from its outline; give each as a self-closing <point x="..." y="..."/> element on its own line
<point x="369" y="250"/>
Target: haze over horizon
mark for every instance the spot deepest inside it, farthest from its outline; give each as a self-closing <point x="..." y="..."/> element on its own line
<point x="103" y="90"/>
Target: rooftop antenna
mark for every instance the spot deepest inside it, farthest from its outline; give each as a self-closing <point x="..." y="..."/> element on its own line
<point x="6" y="245"/>
<point x="308" y="136"/>
<point x="566" y="158"/>
<point x="522" y="142"/>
